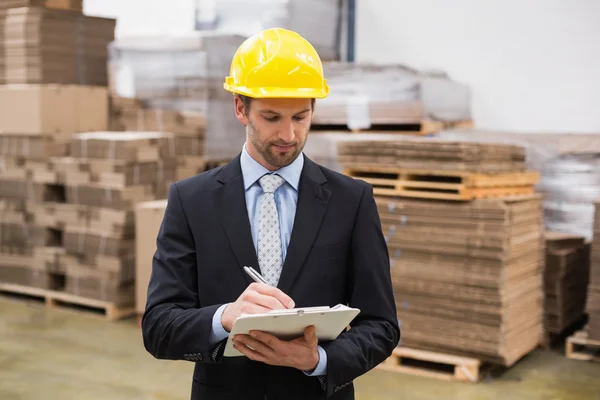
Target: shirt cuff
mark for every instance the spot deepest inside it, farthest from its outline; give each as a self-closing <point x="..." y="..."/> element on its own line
<point x="217" y="333"/>
<point x="321" y="368"/>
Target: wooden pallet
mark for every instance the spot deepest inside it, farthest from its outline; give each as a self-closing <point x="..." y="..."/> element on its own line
<point x="581" y="347"/>
<point x="446" y="185"/>
<point x="423" y="128"/>
<point x="461" y="369"/>
<point x="55" y="299"/>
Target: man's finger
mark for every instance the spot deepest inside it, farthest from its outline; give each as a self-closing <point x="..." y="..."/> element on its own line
<point x="264" y="300"/>
<point x="250" y="353"/>
<point x="251" y="308"/>
<point x="310" y="335"/>
<point x="266" y="338"/>
<point x="278" y="294"/>
<point x="255" y="344"/>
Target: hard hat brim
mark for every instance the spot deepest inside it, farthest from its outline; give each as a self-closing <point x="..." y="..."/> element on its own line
<point x="277" y="92"/>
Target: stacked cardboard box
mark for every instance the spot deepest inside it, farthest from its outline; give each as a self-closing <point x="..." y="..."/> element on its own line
<point x="566" y="278"/>
<point x="36" y="124"/>
<point x="42" y="45"/>
<point x="74" y="5"/>
<point x="148" y="217"/>
<point x="188" y="129"/>
<point x="184" y="73"/>
<point x="593" y="299"/>
<point x="365" y="95"/>
<point x="107" y="174"/>
<point x="467" y="274"/>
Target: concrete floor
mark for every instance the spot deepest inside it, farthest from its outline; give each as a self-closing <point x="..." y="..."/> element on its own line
<point x="64" y="354"/>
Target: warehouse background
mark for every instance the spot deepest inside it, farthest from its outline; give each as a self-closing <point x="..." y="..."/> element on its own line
<point x="475" y="122"/>
<point x="532" y="65"/>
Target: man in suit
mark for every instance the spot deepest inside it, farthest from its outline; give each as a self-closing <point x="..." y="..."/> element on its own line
<point x="314" y="234"/>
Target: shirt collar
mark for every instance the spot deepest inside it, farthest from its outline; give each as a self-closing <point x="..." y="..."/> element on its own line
<point x="253" y="171"/>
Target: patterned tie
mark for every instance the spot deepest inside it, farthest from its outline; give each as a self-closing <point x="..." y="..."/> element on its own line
<point x="269" y="238"/>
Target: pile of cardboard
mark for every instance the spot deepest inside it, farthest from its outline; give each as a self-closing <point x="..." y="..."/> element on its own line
<point x="467" y="276"/>
<point x="467" y="273"/>
<point x="566" y="278"/>
<point x="431" y="154"/>
<point x="106" y="175"/>
<point x="366" y="95"/>
<point x="74" y="5"/>
<point x="36" y="124"/>
<point x="188" y="129"/>
<point x="47" y="45"/>
<point x="183" y="73"/>
<point x="593" y="299"/>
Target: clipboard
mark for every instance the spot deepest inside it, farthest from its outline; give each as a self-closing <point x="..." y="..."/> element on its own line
<point x="290" y="323"/>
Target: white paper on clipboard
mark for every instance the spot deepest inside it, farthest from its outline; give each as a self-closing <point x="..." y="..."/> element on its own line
<point x="290" y="323"/>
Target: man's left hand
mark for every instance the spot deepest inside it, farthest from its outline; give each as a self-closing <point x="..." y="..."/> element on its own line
<point x="300" y="353"/>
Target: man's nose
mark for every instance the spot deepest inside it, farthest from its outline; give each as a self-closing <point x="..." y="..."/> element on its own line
<point x="287" y="132"/>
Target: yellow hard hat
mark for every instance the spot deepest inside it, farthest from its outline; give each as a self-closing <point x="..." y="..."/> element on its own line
<point x="277" y="63"/>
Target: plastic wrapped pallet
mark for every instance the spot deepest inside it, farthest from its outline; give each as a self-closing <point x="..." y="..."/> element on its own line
<point x="570" y="173"/>
<point x="364" y="94"/>
<point x="319" y="21"/>
<point x="183" y="73"/>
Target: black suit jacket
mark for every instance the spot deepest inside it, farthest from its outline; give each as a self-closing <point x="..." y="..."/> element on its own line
<point x="337" y="254"/>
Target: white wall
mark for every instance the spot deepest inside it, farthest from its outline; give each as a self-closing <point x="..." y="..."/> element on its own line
<point x="533" y="65"/>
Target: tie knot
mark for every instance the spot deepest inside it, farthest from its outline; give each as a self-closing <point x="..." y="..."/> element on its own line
<point x="271" y="182"/>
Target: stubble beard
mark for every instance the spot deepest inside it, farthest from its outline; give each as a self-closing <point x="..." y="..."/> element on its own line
<point x="268" y="152"/>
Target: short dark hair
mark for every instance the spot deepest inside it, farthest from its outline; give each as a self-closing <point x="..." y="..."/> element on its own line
<point x="247" y="100"/>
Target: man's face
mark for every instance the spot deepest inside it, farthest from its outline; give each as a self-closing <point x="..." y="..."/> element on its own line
<point x="276" y="129"/>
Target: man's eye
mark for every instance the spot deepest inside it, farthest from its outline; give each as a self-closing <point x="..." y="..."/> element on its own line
<point x="300" y="118"/>
<point x="272" y="119"/>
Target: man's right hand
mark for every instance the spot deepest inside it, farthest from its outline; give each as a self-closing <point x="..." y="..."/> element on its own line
<point x="257" y="298"/>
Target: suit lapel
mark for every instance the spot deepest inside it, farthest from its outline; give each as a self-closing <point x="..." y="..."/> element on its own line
<point x="230" y="201"/>
<point x="310" y="210"/>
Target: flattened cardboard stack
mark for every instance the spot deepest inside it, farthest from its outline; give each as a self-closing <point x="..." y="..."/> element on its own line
<point x="41" y="45"/>
<point x="593" y="299"/>
<point x="566" y="278"/>
<point x="364" y="95"/>
<point x="430" y="154"/>
<point x="324" y="147"/>
<point x="184" y="73"/>
<point x="108" y="173"/>
<point x="36" y="124"/>
<point x="467" y="275"/>
<point x="188" y="129"/>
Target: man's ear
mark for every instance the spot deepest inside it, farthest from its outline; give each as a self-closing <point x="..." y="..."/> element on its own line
<point x="240" y="110"/>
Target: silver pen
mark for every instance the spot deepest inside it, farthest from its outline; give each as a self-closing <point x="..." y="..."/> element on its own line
<point x="256" y="277"/>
